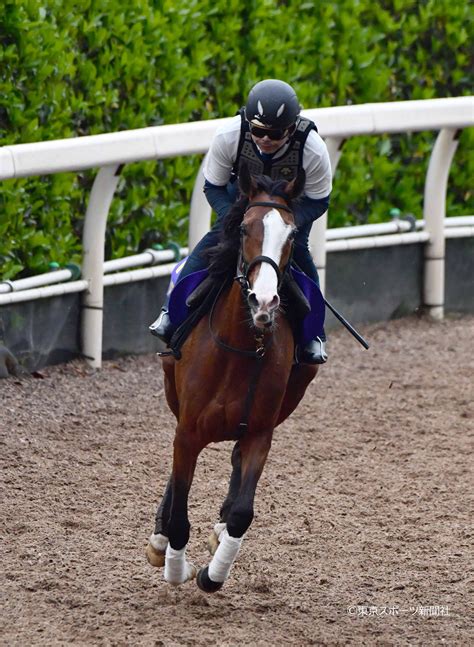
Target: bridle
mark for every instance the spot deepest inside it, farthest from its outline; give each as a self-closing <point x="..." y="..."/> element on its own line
<point x="244" y="268"/>
<point x="242" y="278"/>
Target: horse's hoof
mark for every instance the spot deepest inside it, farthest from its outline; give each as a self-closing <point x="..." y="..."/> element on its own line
<point x="212" y="543"/>
<point x="155" y="557"/>
<point x="205" y="583"/>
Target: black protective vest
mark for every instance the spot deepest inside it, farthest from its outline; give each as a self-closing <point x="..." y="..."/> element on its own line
<point x="284" y="167"/>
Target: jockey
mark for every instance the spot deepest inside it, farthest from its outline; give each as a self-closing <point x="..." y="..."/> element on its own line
<point x="273" y="139"/>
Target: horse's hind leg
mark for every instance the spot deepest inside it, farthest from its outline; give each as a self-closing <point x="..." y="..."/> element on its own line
<point x="155" y="551"/>
<point x="254" y="451"/>
<point x="234" y="487"/>
<point x="177" y="569"/>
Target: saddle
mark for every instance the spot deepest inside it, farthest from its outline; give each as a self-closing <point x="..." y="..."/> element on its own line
<point x="192" y="298"/>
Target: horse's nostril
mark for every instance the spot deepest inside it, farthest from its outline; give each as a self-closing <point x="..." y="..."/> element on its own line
<point x="252" y="300"/>
<point x="274" y="303"/>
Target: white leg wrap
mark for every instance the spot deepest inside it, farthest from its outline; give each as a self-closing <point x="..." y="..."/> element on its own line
<point x="224" y="557"/>
<point x="159" y="542"/>
<point x="177" y="569"/>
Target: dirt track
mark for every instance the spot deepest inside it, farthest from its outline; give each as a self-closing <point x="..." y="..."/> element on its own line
<point x="362" y="513"/>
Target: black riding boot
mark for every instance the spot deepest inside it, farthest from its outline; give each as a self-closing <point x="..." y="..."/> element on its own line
<point x="162" y="327"/>
<point x="313" y="353"/>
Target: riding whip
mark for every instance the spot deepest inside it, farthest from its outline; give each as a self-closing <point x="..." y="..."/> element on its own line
<point x="345" y="323"/>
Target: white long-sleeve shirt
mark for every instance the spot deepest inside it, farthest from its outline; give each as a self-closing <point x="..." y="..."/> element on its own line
<point x="222" y="154"/>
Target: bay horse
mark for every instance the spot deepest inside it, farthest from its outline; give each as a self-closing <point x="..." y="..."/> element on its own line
<point x="236" y="379"/>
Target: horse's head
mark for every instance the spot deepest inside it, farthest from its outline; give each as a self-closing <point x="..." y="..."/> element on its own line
<point x="267" y="229"/>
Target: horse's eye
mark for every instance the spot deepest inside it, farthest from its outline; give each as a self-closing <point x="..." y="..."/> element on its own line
<point x="243" y="230"/>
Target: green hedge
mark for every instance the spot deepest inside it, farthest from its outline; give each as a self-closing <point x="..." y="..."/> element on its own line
<point x="83" y="67"/>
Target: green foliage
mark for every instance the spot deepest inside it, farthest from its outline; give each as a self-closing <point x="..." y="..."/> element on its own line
<point x="92" y="66"/>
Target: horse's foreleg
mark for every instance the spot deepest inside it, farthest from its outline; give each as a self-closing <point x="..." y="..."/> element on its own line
<point x="177" y="569"/>
<point x="254" y="451"/>
<point x="155" y="551"/>
<point x="234" y="483"/>
<point x="234" y="487"/>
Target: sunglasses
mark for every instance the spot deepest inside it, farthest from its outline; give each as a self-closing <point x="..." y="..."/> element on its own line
<point x="272" y="133"/>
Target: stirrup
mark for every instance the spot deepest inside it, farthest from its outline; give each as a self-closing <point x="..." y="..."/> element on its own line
<point x="313" y="353"/>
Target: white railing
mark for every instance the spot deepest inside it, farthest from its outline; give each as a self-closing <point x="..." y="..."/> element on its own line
<point x="384" y="234"/>
<point x="110" y="151"/>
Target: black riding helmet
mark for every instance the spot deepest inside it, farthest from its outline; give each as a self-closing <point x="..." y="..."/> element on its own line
<point x="272" y="104"/>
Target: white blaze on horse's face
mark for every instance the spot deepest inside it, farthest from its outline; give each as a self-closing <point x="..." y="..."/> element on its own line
<point x="264" y="299"/>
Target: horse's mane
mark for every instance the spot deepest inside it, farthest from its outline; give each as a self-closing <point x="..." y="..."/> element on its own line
<point x="222" y="258"/>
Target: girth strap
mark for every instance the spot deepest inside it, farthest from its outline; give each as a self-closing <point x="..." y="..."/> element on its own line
<point x="247" y="409"/>
<point x="257" y="355"/>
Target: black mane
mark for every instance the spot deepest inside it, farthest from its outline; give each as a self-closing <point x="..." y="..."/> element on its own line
<point x="222" y="258"/>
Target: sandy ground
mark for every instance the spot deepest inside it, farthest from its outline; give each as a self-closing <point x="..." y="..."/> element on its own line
<point x="362" y="529"/>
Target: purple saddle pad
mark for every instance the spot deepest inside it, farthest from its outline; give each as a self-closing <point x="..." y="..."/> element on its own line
<point x="310" y="327"/>
<point x="180" y="291"/>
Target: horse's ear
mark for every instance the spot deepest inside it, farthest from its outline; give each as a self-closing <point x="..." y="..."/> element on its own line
<point x="296" y="186"/>
<point x="246" y="182"/>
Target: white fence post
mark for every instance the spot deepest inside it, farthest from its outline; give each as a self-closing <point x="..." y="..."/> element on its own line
<point x="199" y="212"/>
<point x="434" y="212"/>
<point x="317" y="237"/>
<point x="93" y="241"/>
